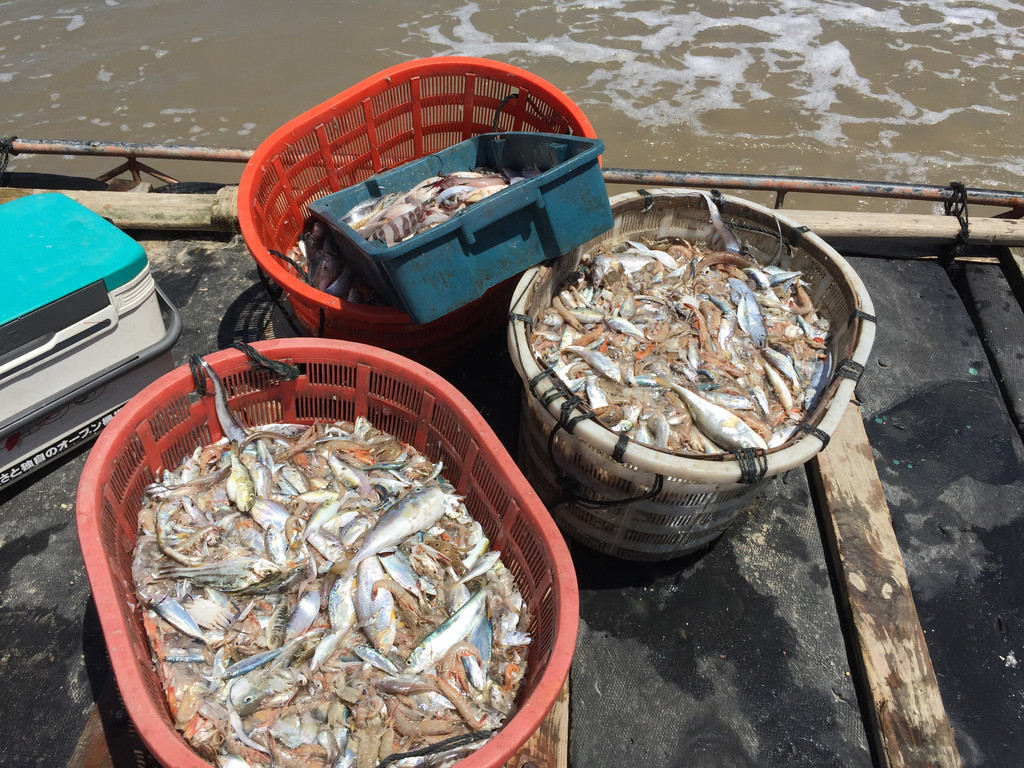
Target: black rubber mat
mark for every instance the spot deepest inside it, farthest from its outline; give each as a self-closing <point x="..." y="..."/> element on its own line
<point x="734" y="657"/>
<point x="1001" y="324"/>
<point x="950" y="461"/>
<point x="731" y="658"/>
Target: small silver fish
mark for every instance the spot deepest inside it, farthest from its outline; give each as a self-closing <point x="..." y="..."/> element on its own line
<point x="231" y="427"/>
<point x="599" y="363"/>
<point x="455" y="629"/>
<point x="719" y="424"/>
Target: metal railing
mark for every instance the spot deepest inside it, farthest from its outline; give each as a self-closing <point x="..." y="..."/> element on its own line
<point x="780" y="185"/>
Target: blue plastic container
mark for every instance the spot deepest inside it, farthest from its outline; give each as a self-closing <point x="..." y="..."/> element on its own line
<point x="454" y="263"/>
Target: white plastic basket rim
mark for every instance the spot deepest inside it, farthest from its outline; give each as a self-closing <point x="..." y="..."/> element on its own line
<point x="722" y="468"/>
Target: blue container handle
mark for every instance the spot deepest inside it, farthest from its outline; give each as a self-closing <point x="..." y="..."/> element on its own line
<point x="529" y="194"/>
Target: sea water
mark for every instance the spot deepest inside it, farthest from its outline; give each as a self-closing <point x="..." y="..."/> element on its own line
<point x="889" y="90"/>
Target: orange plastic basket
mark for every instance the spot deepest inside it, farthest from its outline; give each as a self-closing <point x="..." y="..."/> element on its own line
<point x="340" y="381"/>
<point x="400" y="114"/>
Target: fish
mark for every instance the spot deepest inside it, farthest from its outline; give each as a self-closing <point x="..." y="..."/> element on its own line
<point x="731" y="244"/>
<point x="601" y="364"/>
<point x="375" y="609"/>
<point x="230" y="426"/>
<point x="289" y="626"/>
<point x="720" y="325"/>
<point x="435" y="645"/>
<point x="399" y="216"/>
<point x="240" y="487"/>
<point x="720" y="424"/>
<point x="416" y="511"/>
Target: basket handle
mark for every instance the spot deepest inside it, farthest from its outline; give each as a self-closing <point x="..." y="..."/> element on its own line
<point x="521" y="197"/>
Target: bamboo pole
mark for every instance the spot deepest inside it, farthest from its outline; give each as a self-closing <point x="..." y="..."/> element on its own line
<point x="860" y="232"/>
<point x="191" y="213"/>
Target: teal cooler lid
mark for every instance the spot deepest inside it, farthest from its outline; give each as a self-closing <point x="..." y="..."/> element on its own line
<point x="51" y="246"/>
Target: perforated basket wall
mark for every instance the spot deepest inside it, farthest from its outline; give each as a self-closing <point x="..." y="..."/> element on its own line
<point x="400" y="114"/>
<point x="698" y="497"/>
<point x="340" y="380"/>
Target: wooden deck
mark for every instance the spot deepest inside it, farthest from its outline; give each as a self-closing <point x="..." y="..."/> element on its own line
<point x="908" y="725"/>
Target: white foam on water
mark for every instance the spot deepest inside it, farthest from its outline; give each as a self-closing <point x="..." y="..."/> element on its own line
<point x="891" y="89"/>
<point x="827" y="71"/>
<point x="74" y="22"/>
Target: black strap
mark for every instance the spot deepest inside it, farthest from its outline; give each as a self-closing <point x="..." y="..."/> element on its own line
<point x="957" y="206"/>
<point x="275" y="292"/>
<point x="815" y="432"/>
<point x="571" y="494"/>
<point x="198" y="375"/>
<point x="570" y="404"/>
<point x="302" y="273"/>
<point x="718" y="198"/>
<point x="283" y="371"/>
<point x="620" y="447"/>
<point x="567" y="420"/>
<point x="525" y="319"/>
<point x="570" y="424"/>
<point x="797" y="234"/>
<point x="860" y="313"/>
<point x="547" y="373"/>
<point x="753" y="464"/>
<point x="501" y="106"/>
<point x="849" y="369"/>
<point x="648" y="200"/>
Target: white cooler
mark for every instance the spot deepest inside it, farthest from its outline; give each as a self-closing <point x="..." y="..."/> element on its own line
<point x="82" y="328"/>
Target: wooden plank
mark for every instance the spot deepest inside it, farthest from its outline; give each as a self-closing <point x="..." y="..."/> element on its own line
<point x="859" y="232"/>
<point x="873" y="234"/>
<point x="196" y="212"/>
<point x="91" y="750"/>
<point x="549" y="745"/>
<point x="910" y="725"/>
<point x="1012" y="262"/>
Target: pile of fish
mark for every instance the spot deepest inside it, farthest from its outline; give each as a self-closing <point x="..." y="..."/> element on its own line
<point x="390" y="219"/>
<point x="398" y="216"/>
<point x="319" y="261"/>
<point x="688" y="347"/>
<point x="320" y="596"/>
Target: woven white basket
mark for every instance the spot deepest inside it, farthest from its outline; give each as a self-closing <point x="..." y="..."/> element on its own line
<point x="641" y="503"/>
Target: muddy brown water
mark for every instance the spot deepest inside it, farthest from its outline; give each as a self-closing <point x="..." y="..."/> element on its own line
<point x="888" y="91"/>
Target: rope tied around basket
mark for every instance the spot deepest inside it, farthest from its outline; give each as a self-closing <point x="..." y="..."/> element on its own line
<point x="258" y="360"/>
<point x="797" y="234"/>
<point x="862" y="315"/>
<point x="648" y="200"/>
<point x="849" y="369"/>
<point x="295" y="265"/>
<point x="753" y="464"/>
<point x="198" y="376"/>
<point x="812" y="430"/>
<point x="275" y="296"/>
<point x="571" y="488"/>
<point x="956" y="205"/>
<point x="501" y="106"/>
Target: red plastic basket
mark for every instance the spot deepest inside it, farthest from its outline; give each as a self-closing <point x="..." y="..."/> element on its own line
<point x="340" y="380"/>
<point x="399" y="114"/>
